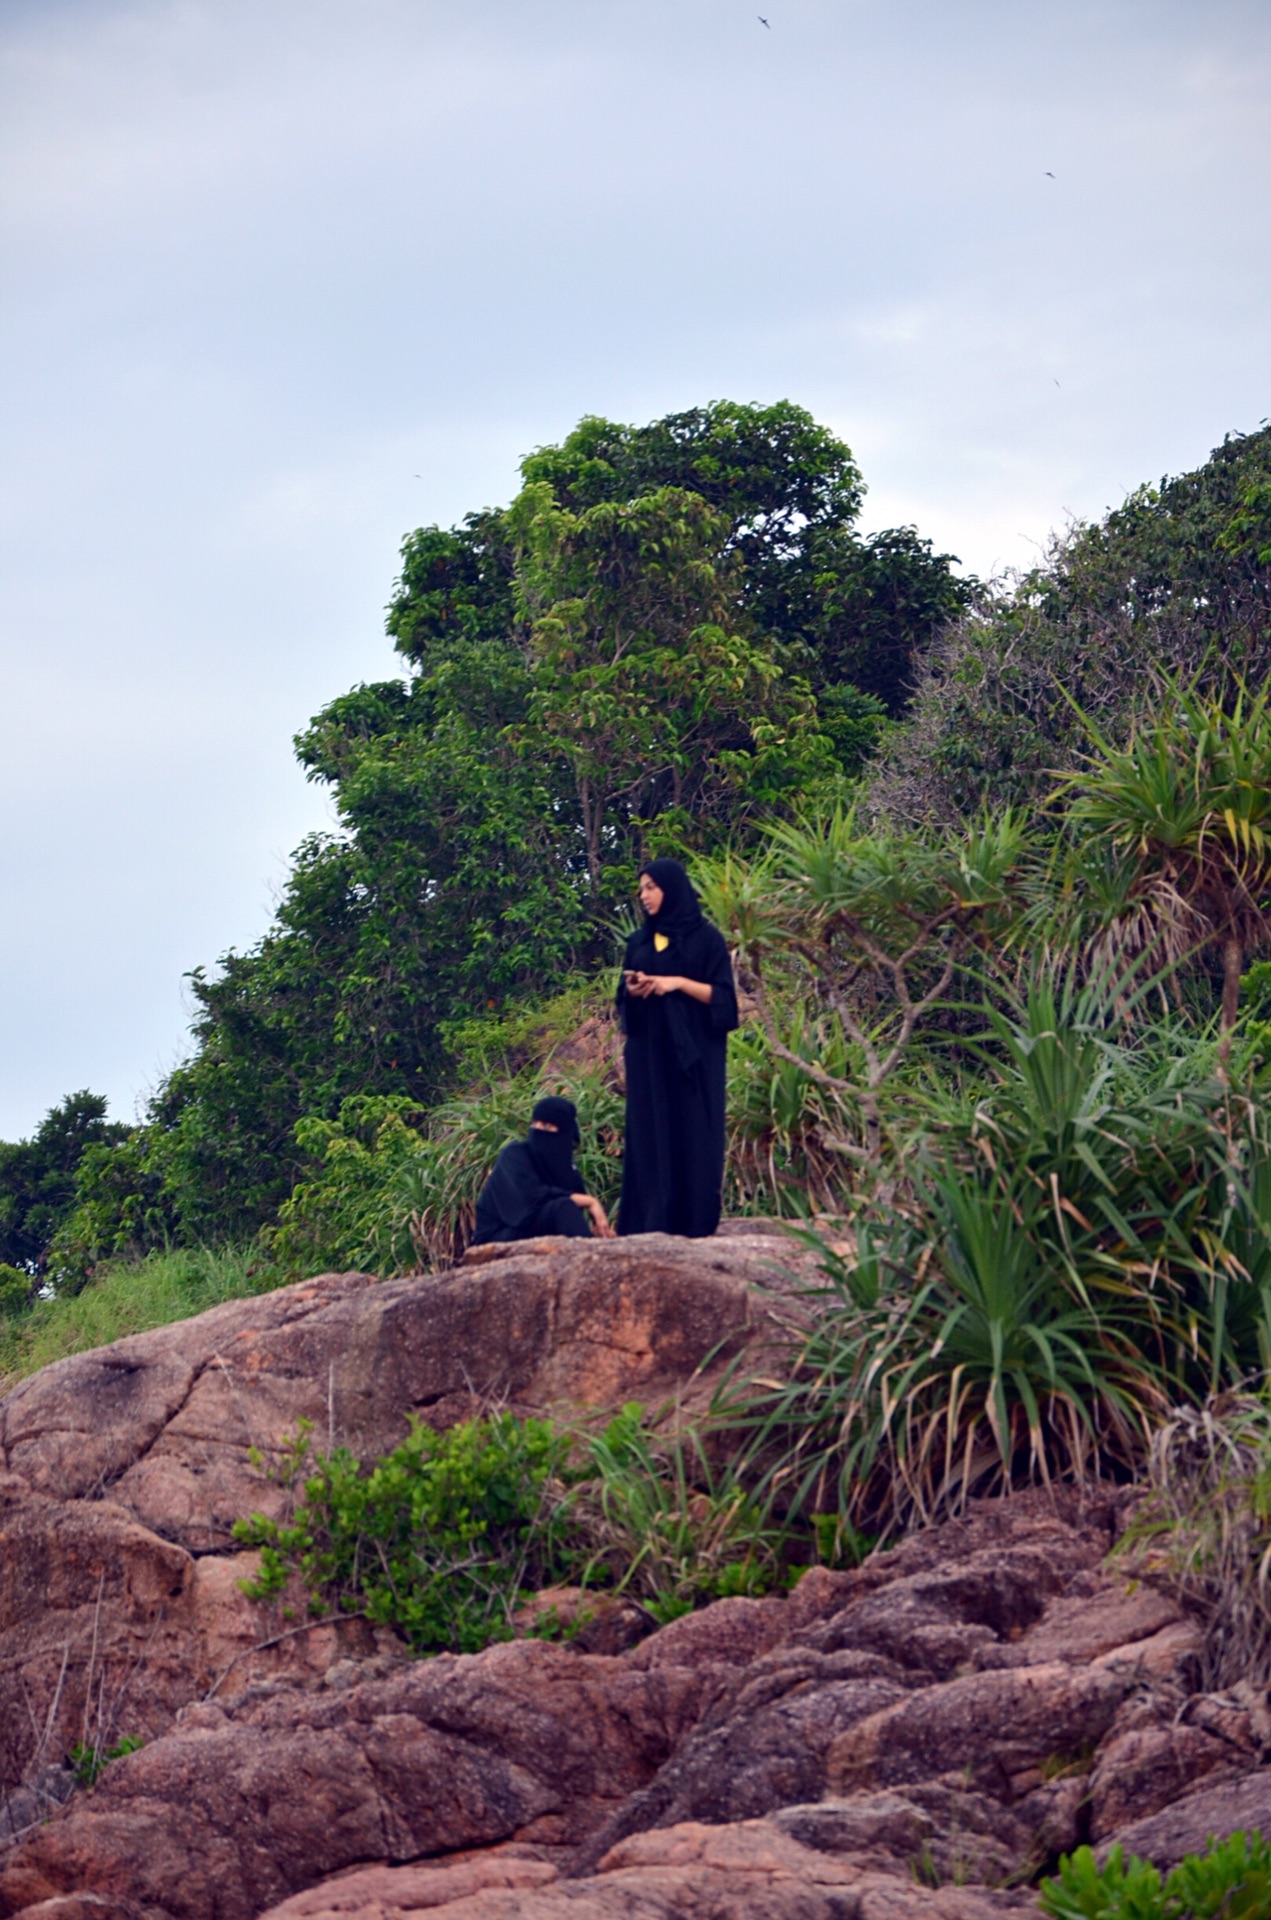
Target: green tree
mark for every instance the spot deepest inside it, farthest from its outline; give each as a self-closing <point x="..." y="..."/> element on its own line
<point x="121" y="1209"/>
<point x="671" y="716"/>
<point x="1176" y="580"/>
<point x="37" y="1176"/>
<point x="646" y="650"/>
<point x="768" y="471"/>
<point x="789" y="494"/>
<point x="454" y="584"/>
<point x="447" y="893"/>
<point x="867" y="608"/>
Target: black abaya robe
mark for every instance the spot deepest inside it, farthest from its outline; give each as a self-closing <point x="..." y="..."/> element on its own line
<point x="527" y="1195"/>
<point x="676" y="1056"/>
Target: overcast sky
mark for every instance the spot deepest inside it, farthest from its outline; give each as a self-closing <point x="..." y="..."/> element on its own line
<point x="283" y="279"/>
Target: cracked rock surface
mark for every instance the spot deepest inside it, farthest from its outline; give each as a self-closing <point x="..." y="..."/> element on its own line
<point x="919" y="1737"/>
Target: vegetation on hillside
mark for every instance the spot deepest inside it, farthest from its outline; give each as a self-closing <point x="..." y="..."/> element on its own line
<point x="449" y="1536"/>
<point x="127" y="1296"/>
<point x="1175" y="581"/>
<point x="1006" y="1016"/>
<point x="38" y="1188"/>
<point x="672" y="634"/>
<point x="995" y="867"/>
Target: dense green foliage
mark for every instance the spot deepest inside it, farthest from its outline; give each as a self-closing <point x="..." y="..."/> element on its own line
<point x="442" y="1539"/>
<point x="874" y="925"/>
<point x="1061" y="1244"/>
<point x="1177" y="580"/>
<point x="1182" y="813"/>
<point x="38" y="1187"/>
<point x="1062" y="1184"/>
<point x="1230" y="1882"/>
<point x="673" y="633"/>
<point x="447" y="1536"/>
<point x="788" y="493"/>
<point x="654" y="1516"/>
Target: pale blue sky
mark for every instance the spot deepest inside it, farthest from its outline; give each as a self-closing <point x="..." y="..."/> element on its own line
<point x="267" y="261"/>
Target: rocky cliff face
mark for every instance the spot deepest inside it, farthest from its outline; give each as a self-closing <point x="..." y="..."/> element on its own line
<point x="919" y="1736"/>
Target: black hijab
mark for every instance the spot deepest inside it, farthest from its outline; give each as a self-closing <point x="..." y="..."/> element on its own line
<point x="553" y="1153"/>
<point x="680" y="912"/>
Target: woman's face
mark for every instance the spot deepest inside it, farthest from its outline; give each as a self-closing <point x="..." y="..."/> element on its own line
<point x="651" y="895"/>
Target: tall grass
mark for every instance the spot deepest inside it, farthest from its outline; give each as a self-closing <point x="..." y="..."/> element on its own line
<point x="655" y="1517"/>
<point x="128" y="1296"/>
<point x="1203" y="1530"/>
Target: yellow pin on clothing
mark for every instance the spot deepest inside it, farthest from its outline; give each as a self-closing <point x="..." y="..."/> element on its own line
<point x="661" y="941"/>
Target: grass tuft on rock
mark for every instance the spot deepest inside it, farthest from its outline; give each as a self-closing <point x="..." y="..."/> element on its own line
<point x="125" y="1297"/>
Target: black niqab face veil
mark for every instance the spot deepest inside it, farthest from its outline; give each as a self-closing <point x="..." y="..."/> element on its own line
<point x="553" y="1153"/>
<point x="680" y="911"/>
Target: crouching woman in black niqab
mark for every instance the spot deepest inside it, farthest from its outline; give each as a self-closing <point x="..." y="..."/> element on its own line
<point x="677" y="1005"/>
<point x="535" y="1188"/>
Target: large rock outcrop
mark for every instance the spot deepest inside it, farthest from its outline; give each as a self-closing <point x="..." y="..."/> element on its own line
<point x="123" y="1470"/>
<point x="163" y="1423"/>
<point x="920" y="1736"/>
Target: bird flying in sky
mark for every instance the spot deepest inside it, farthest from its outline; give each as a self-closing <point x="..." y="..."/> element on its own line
<point x="763" y="23"/>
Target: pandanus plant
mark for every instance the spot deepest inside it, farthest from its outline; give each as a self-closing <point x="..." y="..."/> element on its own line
<point x="1188" y="801"/>
<point x="869" y="924"/>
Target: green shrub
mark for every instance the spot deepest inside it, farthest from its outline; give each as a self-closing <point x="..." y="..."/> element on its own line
<point x="656" y="1518"/>
<point x="120" y="1211"/>
<point x="87" y="1761"/>
<point x="443" y="1539"/>
<point x="39" y="1177"/>
<point x="17" y="1291"/>
<point x="343" y="1216"/>
<point x="1230" y="1882"/>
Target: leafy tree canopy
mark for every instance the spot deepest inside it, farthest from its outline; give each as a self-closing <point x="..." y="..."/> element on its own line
<point x="789" y="494"/>
<point x="767" y="471"/>
<point x="454" y="583"/>
<point x="674" y="718"/>
<point x="671" y="634"/>
<point x="1178" y="580"/>
<point x="37" y="1176"/>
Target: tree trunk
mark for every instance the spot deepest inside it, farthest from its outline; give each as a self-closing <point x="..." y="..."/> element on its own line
<point x="591" y="834"/>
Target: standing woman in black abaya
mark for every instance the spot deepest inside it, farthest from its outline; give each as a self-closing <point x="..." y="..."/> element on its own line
<point x="677" y="1005"/>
